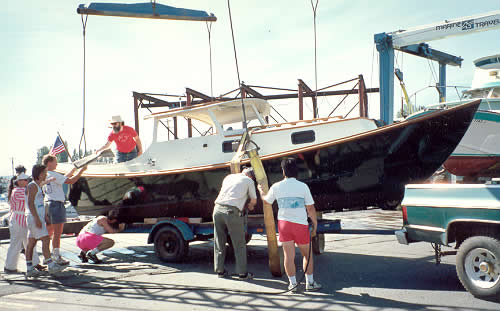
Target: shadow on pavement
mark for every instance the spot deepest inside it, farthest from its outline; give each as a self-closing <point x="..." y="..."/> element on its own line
<point x="335" y="271"/>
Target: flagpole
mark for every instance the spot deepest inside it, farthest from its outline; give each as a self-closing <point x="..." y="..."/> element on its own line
<point x="65" y="147"/>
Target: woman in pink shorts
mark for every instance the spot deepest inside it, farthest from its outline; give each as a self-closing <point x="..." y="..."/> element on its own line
<point x="295" y="204"/>
<point x="90" y="239"/>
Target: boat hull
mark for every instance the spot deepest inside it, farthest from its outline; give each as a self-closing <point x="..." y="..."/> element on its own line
<point x="478" y="153"/>
<point x="365" y="169"/>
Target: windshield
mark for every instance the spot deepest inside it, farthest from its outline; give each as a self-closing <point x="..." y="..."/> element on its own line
<point x="494" y="93"/>
<point x="476" y="94"/>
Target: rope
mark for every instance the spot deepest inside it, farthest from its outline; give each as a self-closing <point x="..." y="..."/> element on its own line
<point x="237" y="69"/>
<point x="209" y="30"/>
<point x="314" y="7"/>
<point x="82" y="138"/>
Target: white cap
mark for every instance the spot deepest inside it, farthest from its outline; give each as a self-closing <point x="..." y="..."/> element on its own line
<point x="115" y="119"/>
<point x="22" y="176"/>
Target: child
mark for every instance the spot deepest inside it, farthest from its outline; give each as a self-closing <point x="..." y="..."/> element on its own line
<point x="90" y="239"/>
<point x="36" y="219"/>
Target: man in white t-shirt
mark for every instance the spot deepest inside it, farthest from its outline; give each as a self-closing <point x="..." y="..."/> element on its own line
<point x="228" y="218"/>
<point x="295" y="203"/>
<point x="55" y="198"/>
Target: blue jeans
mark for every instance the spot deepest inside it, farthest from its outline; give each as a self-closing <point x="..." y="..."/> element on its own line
<point x="126" y="156"/>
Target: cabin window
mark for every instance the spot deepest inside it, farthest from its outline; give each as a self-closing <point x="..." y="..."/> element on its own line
<point x="303" y="137"/>
<point x="227" y="146"/>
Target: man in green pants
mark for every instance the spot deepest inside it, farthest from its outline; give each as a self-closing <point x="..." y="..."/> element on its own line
<point x="228" y="218"/>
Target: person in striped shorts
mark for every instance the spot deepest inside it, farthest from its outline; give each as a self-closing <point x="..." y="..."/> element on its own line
<point x="17" y="225"/>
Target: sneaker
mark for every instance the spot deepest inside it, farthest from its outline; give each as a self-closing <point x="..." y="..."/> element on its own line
<point x="10" y="271"/>
<point x="40" y="267"/>
<point x="293" y="288"/>
<point x="93" y="258"/>
<point x="83" y="257"/>
<point x="54" y="267"/>
<point x="314" y="286"/>
<point x="246" y="276"/>
<point x="60" y="261"/>
<point x="32" y="273"/>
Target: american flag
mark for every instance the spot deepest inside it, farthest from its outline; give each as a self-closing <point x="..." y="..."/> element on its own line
<point x="58" y="146"/>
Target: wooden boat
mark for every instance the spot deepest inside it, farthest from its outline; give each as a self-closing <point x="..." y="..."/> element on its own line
<point x="345" y="162"/>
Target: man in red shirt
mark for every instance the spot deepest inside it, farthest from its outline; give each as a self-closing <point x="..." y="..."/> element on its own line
<point x="128" y="143"/>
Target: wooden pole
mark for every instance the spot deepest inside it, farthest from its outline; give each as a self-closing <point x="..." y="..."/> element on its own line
<point x="188" y="103"/>
<point x="363" y="98"/>
<point x="136" y="114"/>
<point x="301" y="102"/>
<point x="272" y="242"/>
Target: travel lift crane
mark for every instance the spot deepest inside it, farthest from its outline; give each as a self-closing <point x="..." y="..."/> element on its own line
<point x="412" y="41"/>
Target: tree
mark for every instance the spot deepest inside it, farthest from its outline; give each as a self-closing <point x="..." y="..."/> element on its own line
<point x="40" y="153"/>
<point x="61" y="157"/>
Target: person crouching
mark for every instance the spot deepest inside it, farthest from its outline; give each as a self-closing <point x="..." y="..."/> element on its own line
<point x="90" y="239"/>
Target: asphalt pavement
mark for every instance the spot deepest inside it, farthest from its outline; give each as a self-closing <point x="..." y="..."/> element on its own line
<point x="362" y="268"/>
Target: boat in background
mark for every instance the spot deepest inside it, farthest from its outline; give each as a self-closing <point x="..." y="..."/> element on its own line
<point x="346" y="162"/>
<point x="478" y="154"/>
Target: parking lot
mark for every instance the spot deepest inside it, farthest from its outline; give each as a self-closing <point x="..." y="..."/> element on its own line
<point x="362" y="268"/>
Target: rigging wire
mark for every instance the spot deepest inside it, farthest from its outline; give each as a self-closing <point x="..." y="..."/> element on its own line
<point x="433" y="71"/>
<point x="237" y="69"/>
<point x="82" y="138"/>
<point x="314" y="8"/>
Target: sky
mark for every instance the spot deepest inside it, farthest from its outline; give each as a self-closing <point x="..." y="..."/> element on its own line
<point x="41" y="79"/>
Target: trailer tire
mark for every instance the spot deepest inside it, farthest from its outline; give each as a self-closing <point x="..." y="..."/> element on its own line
<point x="318" y="243"/>
<point x="170" y="246"/>
<point x="478" y="266"/>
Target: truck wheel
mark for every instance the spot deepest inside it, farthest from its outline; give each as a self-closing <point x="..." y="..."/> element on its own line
<point x="318" y="244"/>
<point x="170" y="245"/>
<point x="478" y="266"/>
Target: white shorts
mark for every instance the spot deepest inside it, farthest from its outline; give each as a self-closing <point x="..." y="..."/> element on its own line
<point x="34" y="231"/>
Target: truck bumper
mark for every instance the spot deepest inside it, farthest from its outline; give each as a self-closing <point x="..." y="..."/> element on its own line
<point x="401" y="235"/>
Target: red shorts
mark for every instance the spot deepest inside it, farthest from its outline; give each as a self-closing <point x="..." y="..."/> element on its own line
<point x="290" y="231"/>
<point x="87" y="241"/>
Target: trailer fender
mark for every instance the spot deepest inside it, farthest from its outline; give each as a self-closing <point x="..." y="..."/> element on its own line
<point x="184" y="229"/>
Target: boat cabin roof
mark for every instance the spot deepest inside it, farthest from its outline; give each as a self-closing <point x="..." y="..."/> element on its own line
<point x="225" y="112"/>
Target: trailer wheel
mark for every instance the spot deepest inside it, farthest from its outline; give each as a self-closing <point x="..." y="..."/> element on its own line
<point x="318" y="244"/>
<point x="170" y="245"/>
<point x="478" y="266"/>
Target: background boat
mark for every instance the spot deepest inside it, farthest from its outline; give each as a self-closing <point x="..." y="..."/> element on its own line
<point x="478" y="154"/>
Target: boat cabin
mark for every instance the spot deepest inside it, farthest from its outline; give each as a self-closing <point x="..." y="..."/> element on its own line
<point x="218" y="115"/>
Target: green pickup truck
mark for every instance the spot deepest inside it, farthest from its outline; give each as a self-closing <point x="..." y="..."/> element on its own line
<point x="466" y="217"/>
